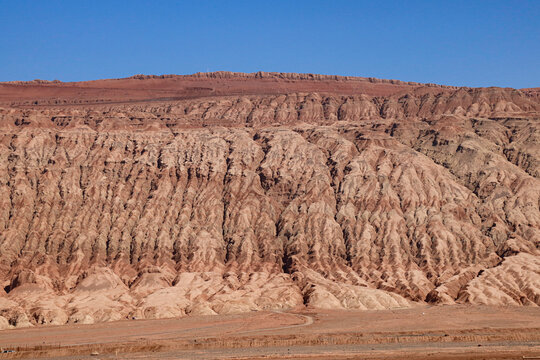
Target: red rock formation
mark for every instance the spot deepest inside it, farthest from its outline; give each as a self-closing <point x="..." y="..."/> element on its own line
<point x="225" y="192"/>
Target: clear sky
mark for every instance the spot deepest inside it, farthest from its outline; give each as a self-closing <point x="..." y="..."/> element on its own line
<point x="471" y="43"/>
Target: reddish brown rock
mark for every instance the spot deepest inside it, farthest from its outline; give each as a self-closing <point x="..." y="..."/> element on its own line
<point x="214" y="193"/>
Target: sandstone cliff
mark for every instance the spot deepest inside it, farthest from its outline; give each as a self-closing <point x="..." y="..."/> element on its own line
<point x="203" y="204"/>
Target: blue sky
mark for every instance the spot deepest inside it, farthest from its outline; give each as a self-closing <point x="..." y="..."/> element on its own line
<point x="471" y="43"/>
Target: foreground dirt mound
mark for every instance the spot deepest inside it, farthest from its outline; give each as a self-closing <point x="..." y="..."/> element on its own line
<point x="337" y="199"/>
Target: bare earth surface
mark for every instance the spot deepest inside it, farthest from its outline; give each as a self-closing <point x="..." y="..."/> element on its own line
<point x="455" y="332"/>
<point x="154" y="197"/>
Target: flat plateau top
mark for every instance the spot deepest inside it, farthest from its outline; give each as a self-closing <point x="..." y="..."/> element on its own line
<point x="178" y="87"/>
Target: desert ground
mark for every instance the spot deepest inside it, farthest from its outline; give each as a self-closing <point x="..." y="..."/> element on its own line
<point x="423" y="332"/>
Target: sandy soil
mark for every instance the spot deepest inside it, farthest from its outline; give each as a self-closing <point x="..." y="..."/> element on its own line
<point x="440" y="332"/>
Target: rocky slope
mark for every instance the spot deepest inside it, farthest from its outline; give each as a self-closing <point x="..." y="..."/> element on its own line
<point x="362" y="194"/>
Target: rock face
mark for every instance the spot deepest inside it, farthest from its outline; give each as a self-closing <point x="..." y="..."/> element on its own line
<point x="205" y="205"/>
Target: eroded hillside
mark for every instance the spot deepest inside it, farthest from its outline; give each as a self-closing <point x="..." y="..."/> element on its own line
<point x="219" y="204"/>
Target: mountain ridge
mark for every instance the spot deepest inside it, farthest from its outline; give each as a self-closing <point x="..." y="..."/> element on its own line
<point x="176" y="200"/>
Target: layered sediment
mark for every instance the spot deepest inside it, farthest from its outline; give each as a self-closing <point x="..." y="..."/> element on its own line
<point x="288" y="191"/>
